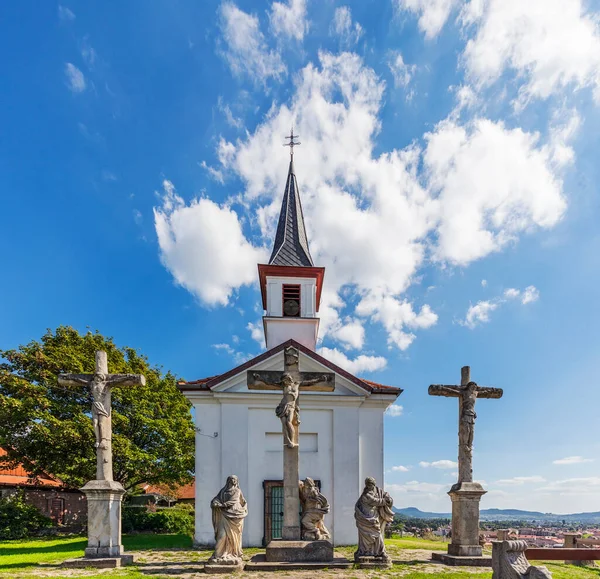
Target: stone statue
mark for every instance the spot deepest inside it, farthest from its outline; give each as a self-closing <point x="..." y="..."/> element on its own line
<point x="101" y="383"/>
<point x="314" y="507"/>
<point x="509" y="562"/>
<point x="288" y="410"/>
<point x="229" y="510"/>
<point x="372" y="512"/>
<point x="467" y="393"/>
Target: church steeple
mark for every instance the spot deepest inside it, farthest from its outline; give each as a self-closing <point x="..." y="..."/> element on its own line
<point x="291" y="284"/>
<point x="291" y="243"/>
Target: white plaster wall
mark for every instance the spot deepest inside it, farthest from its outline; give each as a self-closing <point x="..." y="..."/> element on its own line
<point x="208" y="466"/>
<point x="371" y="442"/>
<point x="279" y="330"/>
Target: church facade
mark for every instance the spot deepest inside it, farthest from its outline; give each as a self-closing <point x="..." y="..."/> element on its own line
<point x="341" y="431"/>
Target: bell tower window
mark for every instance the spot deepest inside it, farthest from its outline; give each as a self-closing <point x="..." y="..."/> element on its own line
<point x="291" y="301"/>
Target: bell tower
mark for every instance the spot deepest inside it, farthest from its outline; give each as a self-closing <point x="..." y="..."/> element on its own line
<point x="290" y="283"/>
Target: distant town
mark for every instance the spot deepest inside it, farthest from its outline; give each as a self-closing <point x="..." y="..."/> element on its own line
<point x="536" y="528"/>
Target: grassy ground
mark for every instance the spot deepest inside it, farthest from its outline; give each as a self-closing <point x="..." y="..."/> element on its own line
<point x="172" y="556"/>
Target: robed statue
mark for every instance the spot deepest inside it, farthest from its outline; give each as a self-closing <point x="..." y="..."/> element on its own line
<point x="372" y="512"/>
<point x="229" y="510"/>
<point x="314" y="507"/>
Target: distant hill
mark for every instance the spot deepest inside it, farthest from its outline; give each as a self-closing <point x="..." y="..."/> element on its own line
<point x="504" y="514"/>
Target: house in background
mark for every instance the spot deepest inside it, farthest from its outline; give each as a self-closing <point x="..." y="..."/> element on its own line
<point x="65" y="506"/>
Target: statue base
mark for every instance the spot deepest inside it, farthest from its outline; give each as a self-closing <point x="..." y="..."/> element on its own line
<point x="104" y="519"/>
<point x="299" y="551"/>
<point x="465" y="519"/>
<point x="222" y="567"/>
<point x="462" y="561"/>
<point x="367" y="562"/>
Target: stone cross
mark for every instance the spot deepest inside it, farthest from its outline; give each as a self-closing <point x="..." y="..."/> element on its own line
<point x="100" y="383"/>
<point x="467" y="393"/>
<point x="291" y="381"/>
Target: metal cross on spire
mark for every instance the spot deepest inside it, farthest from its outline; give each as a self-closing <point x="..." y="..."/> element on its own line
<point x="292" y="143"/>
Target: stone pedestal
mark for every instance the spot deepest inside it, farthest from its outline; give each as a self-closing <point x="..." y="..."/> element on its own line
<point x="222" y="568"/>
<point x="104" y="518"/>
<point x="465" y="548"/>
<point x="373" y="562"/>
<point x="104" y="548"/>
<point x="299" y="551"/>
<point x="465" y="519"/>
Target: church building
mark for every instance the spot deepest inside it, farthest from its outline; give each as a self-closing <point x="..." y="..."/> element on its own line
<point x="341" y="431"/>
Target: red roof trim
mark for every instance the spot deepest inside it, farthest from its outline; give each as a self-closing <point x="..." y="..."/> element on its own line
<point x="210" y="383"/>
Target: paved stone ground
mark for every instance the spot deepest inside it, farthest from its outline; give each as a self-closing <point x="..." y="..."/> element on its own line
<point x="189" y="564"/>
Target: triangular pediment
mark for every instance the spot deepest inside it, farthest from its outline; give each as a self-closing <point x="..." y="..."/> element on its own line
<point x="238" y="382"/>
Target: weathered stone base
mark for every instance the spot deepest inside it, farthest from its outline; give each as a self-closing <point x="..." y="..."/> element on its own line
<point x="299" y="552"/>
<point x="260" y="563"/>
<point x="100" y="562"/>
<point x="372" y="563"/>
<point x="465" y="561"/>
<point x="219" y="569"/>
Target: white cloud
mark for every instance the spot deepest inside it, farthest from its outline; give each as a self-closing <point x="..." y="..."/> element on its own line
<point x="573" y="486"/>
<point x="401" y="71"/>
<point x="483" y="283"/>
<point x="530" y="294"/>
<point x="520" y="480"/>
<point x="65" y="14"/>
<point x="432" y="13"/>
<point x="373" y="220"/>
<point x="395" y="410"/>
<point x="203" y="246"/>
<point x="238" y="357"/>
<point x="572" y="460"/>
<point x="479" y="313"/>
<point x="342" y="26"/>
<point x="257" y="332"/>
<point x="443" y="464"/>
<point x="400" y="468"/>
<point x="351" y="334"/>
<point x="494" y="183"/>
<point x="247" y="52"/>
<point x="549" y="44"/>
<point x="75" y="78"/>
<point x="362" y="363"/>
<point x="415" y="487"/>
<point x="289" y="19"/>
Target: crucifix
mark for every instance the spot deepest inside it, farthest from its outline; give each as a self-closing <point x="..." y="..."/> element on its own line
<point x="100" y="383"/>
<point x="291" y="381"/>
<point x="467" y="393"/>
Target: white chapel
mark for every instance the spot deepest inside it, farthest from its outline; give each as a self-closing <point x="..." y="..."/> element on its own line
<point x="341" y="432"/>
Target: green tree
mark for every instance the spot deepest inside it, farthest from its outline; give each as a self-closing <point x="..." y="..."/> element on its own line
<point x="49" y="429"/>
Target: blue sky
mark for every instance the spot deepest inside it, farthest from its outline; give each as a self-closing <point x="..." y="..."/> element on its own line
<point x="448" y="172"/>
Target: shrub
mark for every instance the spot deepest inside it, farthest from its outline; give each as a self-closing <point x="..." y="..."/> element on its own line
<point x="19" y="519"/>
<point x="178" y="519"/>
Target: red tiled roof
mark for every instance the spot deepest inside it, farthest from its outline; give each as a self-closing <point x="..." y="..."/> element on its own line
<point x="184" y="492"/>
<point x="20" y="476"/>
<point x="208" y="383"/>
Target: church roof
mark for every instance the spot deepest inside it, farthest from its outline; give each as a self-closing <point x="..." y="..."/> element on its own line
<point x="291" y="243"/>
<point x="367" y="385"/>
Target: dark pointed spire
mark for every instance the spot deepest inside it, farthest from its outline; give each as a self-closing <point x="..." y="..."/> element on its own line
<point x="291" y="243"/>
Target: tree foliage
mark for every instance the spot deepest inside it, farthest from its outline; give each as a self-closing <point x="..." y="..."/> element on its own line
<point x="49" y="429"/>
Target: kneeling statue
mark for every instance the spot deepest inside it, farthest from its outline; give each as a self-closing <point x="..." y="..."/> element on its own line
<point x="229" y="510"/>
<point x="372" y="512"/>
<point x="314" y="507"/>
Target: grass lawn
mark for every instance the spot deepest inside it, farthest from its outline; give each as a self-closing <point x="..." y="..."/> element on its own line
<point x="172" y="556"/>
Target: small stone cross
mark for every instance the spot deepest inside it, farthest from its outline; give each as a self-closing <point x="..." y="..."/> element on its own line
<point x="100" y="384"/>
<point x="291" y="381"/>
<point x="467" y="393"/>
